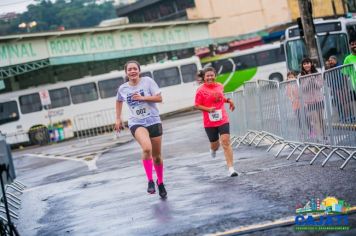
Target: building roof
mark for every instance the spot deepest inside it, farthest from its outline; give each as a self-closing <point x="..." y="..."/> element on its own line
<point x="103" y="29"/>
<point x="122" y="11"/>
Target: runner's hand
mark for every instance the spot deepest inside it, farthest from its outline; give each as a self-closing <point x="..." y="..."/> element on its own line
<point x="138" y="97"/>
<point x="211" y="109"/>
<point x="118" y="125"/>
<point x="232" y="105"/>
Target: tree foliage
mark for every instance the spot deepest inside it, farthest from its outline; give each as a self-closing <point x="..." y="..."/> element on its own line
<point x="52" y="15"/>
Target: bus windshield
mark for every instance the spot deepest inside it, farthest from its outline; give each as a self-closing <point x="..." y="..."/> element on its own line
<point x="8" y="112"/>
<point x="330" y="44"/>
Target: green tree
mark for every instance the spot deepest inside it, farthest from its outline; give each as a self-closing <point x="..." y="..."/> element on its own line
<point x="70" y="14"/>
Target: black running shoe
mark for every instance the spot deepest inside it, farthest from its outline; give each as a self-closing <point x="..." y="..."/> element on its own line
<point x="151" y="187"/>
<point x="234" y="174"/>
<point x="162" y="190"/>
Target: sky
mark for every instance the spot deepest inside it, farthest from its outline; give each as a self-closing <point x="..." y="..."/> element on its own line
<point x="18" y="6"/>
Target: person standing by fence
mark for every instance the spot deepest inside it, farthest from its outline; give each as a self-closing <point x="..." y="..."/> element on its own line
<point x="141" y="95"/>
<point x="292" y="91"/>
<point x="351" y="59"/>
<point x="312" y="96"/>
<point x="210" y="99"/>
<point x="350" y="76"/>
<point x="337" y="83"/>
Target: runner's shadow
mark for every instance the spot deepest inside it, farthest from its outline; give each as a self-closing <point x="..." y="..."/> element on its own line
<point x="162" y="211"/>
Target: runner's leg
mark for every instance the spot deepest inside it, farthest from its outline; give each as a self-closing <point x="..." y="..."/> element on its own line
<point x="142" y="137"/>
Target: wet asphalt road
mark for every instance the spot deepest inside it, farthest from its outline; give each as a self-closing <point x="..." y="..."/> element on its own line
<point x="68" y="196"/>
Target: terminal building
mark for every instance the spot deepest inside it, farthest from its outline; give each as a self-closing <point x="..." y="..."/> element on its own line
<point x="157" y="30"/>
<point x="29" y="60"/>
<point x="238" y="24"/>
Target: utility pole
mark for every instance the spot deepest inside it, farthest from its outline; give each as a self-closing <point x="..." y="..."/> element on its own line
<point x="305" y="8"/>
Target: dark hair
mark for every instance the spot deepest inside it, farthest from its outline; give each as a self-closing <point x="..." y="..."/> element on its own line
<point x="312" y="69"/>
<point x="201" y="73"/>
<point x="132" y="61"/>
<point x="352" y="39"/>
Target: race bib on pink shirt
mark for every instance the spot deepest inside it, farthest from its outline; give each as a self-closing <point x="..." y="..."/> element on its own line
<point x="215" y="116"/>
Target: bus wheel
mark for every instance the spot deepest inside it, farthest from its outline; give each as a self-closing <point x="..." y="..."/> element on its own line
<point x="39" y="135"/>
<point x="276" y="77"/>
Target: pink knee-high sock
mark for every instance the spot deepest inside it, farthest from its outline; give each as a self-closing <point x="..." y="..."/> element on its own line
<point x="147" y="164"/>
<point x="159" y="172"/>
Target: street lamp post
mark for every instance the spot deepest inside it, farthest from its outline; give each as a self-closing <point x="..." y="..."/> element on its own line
<point x="28" y="25"/>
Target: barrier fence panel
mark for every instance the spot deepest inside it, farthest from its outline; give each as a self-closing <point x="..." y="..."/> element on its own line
<point x="342" y="105"/>
<point x="292" y="114"/>
<point x="94" y="123"/>
<point x="311" y="89"/>
<point x="241" y="121"/>
<point x="232" y="115"/>
<point x="269" y="103"/>
<point x="252" y="106"/>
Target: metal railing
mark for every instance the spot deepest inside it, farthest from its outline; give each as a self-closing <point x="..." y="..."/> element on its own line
<point x="313" y="114"/>
<point x="9" y="191"/>
<point x="94" y="123"/>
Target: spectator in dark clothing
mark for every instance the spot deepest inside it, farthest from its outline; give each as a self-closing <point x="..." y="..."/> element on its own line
<point x="333" y="61"/>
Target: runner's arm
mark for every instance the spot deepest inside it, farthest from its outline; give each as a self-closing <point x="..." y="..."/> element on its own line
<point x="154" y="98"/>
<point x="118" y="122"/>
<point x="204" y="108"/>
<point x="231" y="103"/>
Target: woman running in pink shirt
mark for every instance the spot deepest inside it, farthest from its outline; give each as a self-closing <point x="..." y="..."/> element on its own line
<point x="210" y="99"/>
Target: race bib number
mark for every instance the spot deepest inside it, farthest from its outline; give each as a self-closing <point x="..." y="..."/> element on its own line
<point x="216" y="115"/>
<point x="141" y="111"/>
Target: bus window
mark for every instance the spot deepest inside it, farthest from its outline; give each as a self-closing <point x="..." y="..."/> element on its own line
<point x="280" y="53"/>
<point x="269" y="57"/>
<point x="245" y="61"/>
<point x="30" y="103"/>
<point x="351" y="30"/>
<point x="223" y="66"/>
<point x="334" y="44"/>
<point x="83" y="93"/>
<point x="59" y="97"/>
<point x="167" y="77"/>
<point x="146" y="73"/>
<point x="295" y="51"/>
<point x="108" y="88"/>
<point x="8" y="112"/>
<point x="189" y="72"/>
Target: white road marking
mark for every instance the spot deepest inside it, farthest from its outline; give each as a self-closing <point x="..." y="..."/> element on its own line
<point x="91" y="164"/>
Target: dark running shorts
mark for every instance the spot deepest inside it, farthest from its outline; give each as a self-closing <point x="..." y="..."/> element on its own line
<point x="213" y="132"/>
<point x="153" y="130"/>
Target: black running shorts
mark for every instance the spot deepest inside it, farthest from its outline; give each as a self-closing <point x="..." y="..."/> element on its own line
<point x="213" y="132"/>
<point x="153" y="130"/>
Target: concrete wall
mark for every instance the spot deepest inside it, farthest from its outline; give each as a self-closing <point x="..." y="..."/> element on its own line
<point x="238" y="17"/>
<point x="321" y="8"/>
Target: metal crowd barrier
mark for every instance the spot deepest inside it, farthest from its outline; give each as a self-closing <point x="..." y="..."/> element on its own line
<point x="94" y="123"/>
<point x="9" y="191"/>
<point x="313" y="114"/>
